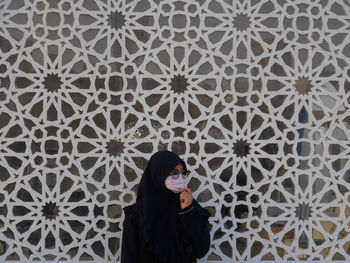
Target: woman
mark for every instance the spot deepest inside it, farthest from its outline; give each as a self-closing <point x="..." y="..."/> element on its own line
<point x="166" y="224"/>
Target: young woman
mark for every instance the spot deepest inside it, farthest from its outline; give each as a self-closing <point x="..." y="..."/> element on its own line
<point x="165" y="225"/>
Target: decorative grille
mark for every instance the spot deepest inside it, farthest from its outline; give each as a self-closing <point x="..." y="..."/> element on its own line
<point x="254" y="95"/>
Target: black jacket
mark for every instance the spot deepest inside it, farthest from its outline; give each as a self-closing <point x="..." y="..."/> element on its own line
<point x="192" y="226"/>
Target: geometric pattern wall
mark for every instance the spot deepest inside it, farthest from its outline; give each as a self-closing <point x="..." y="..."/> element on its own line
<point x="254" y="95"/>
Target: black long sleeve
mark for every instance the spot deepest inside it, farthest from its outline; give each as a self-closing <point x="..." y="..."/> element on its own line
<point x="194" y="221"/>
<point x="130" y="240"/>
<point x="195" y="235"/>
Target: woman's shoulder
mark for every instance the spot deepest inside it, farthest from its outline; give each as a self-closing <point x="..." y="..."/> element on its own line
<point x="200" y="210"/>
<point x="132" y="211"/>
<point x="131" y="219"/>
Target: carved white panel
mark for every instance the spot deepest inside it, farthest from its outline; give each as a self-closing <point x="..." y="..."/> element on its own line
<point x="254" y="95"/>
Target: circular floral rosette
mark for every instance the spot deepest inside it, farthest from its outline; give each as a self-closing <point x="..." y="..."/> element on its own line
<point x="189" y="93"/>
<point x="254" y="96"/>
<point x="242" y="30"/>
<point x="304" y="86"/>
<point x="117" y="29"/>
<point x="48" y="79"/>
<point x="243" y="152"/>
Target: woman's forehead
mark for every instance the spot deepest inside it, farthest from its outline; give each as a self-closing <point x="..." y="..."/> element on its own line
<point x="179" y="167"/>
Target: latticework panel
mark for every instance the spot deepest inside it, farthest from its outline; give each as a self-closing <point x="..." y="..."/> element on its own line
<point x="254" y="95"/>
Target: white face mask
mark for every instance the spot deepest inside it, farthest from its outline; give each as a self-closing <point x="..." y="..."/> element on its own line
<point x="175" y="185"/>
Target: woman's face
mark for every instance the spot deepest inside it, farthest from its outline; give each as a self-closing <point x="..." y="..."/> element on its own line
<point x="179" y="169"/>
<point x="175" y="181"/>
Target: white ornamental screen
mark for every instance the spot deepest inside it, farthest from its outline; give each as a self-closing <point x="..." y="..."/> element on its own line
<point x="254" y="95"/>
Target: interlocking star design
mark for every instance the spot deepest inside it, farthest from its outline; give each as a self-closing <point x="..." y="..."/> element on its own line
<point x="254" y="96"/>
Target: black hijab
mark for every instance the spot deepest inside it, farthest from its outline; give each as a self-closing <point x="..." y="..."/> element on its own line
<point x="159" y="206"/>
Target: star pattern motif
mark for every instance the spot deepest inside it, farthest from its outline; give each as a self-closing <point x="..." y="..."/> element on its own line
<point x="254" y="95"/>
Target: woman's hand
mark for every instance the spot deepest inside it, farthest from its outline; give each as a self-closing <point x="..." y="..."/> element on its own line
<point x="186" y="198"/>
